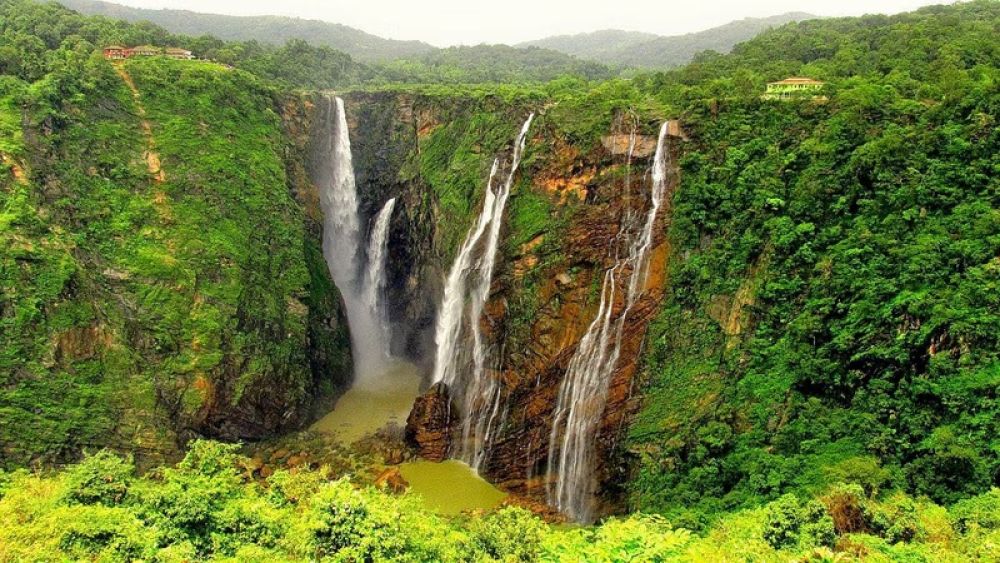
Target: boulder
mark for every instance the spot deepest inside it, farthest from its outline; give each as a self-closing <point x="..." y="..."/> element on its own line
<point x="392" y="480"/>
<point x="428" y="428"/>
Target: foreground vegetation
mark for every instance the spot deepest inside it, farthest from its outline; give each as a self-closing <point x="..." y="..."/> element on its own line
<point x="822" y="380"/>
<point x="205" y="508"/>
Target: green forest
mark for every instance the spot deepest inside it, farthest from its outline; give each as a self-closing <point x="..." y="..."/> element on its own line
<point x="819" y="382"/>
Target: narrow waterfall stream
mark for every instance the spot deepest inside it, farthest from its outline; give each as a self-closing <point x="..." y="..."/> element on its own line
<point x="378" y="246"/>
<point x="466" y="291"/>
<point x="583" y="392"/>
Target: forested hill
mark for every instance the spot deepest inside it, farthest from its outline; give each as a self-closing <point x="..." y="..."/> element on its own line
<point x="647" y="50"/>
<point x="835" y="316"/>
<point x="275" y="30"/>
<point x="820" y="380"/>
<point x="490" y="63"/>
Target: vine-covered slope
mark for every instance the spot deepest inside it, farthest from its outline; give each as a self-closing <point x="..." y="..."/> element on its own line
<point x="159" y="279"/>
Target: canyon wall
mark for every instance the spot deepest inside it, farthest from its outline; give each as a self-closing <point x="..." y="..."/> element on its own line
<point x="433" y="153"/>
<point x="162" y="279"/>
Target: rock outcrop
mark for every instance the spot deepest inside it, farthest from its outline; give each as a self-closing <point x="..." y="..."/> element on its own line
<point x="392" y="480"/>
<point x="430" y="424"/>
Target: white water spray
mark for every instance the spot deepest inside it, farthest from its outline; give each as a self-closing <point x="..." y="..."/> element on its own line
<point x="334" y="176"/>
<point x="461" y="296"/>
<point x="378" y="246"/>
<point x="458" y="327"/>
<point x="583" y="393"/>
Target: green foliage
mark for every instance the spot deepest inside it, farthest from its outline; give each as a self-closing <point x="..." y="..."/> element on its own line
<point x="102" y="478"/>
<point x="488" y="64"/>
<point x="895" y="520"/>
<point x="855" y="243"/>
<point x="788" y="522"/>
<point x="636" y="538"/>
<point x="131" y="297"/>
<point x="264" y="29"/>
<point x="204" y="508"/>
<point x="509" y="534"/>
<point x="979" y="512"/>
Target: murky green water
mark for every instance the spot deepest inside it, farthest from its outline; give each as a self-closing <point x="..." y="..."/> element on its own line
<point x="450" y="487"/>
<point x="365" y="408"/>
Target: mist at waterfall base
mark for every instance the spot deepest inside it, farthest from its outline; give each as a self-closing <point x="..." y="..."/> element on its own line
<point x="333" y="174"/>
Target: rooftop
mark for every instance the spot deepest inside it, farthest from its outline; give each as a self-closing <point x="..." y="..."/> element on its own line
<point x="798" y="80"/>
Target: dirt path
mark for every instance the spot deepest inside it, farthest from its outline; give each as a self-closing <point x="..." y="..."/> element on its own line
<point x="150" y="155"/>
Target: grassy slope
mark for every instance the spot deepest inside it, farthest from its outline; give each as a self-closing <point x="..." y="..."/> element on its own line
<point x="188" y="291"/>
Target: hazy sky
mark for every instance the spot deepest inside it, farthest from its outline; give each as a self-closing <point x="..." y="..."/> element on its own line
<point x="451" y="22"/>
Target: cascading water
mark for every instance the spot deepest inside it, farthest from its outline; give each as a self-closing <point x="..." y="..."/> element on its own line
<point x="583" y="393"/>
<point x="466" y="291"/>
<point x="333" y="174"/>
<point x="378" y="242"/>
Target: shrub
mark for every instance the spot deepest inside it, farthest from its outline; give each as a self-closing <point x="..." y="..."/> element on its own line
<point x="350" y="525"/>
<point x="980" y="512"/>
<point x="781" y="523"/>
<point x="845" y="503"/>
<point x="105" y="533"/>
<point x="861" y="470"/>
<point x="209" y="458"/>
<point x="248" y="521"/>
<point x="509" y="534"/>
<point x="285" y="487"/>
<point x="103" y="478"/>
<point x="896" y="520"/>
<point x="636" y="538"/>
<point x="789" y="523"/>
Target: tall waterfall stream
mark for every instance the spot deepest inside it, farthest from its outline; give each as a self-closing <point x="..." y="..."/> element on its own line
<point x="384" y="388"/>
<point x="583" y="393"/>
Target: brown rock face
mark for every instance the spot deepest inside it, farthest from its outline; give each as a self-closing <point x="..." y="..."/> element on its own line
<point x="429" y="426"/>
<point x="392" y="480"/>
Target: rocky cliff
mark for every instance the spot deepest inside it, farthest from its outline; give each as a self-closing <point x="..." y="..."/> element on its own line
<point x="434" y="154"/>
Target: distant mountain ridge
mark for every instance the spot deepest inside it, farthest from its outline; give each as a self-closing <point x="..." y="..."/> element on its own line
<point x="266" y="29"/>
<point x="647" y="50"/>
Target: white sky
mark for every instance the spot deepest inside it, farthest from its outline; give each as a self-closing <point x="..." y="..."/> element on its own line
<point x="451" y="22"/>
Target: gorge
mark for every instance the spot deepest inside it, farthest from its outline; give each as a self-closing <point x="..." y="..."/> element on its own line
<point x="482" y="391"/>
<point x="659" y="316"/>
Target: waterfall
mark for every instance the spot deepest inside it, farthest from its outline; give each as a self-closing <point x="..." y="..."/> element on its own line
<point x="458" y="329"/>
<point x="378" y="242"/>
<point x="583" y="393"/>
<point x="458" y="291"/>
<point x="333" y="174"/>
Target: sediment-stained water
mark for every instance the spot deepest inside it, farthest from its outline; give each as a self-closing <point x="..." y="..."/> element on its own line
<point x="450" y="487"/>
<point x="370" y="405"/>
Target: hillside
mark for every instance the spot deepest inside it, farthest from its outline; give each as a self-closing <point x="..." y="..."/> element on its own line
<point x="787" y="311"/>
<point x="150" y="253"/>
<point x="275" y="30"/>
<point x="490" y="63"/>
<point x="646" y="50"/>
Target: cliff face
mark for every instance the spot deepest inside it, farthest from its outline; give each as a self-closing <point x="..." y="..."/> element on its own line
<point x="160" y="281"/>
<point x="434" y="154"/>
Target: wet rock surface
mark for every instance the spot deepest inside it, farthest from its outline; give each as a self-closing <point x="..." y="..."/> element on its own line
<point x="430" y="424"/>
